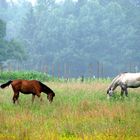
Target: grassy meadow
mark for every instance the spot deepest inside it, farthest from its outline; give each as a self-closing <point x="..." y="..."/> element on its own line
<point x="80" y="111"/>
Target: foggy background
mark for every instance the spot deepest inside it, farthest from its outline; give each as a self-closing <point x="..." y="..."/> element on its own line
<point x="70" y="38"/>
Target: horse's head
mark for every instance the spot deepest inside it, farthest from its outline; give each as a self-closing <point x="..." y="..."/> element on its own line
<point x="110" y="92"/>
<point x="50" y="96"/>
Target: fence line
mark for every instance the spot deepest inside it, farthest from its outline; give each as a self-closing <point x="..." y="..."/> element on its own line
<point x="98" y="69"/>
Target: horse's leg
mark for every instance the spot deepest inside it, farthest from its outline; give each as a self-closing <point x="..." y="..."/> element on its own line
<point x="15" y="97"/>
<point x="122" y="91"/>
<point x="33" y="98"/>
<point x="39" y="96"/>
<point x="126" y="92"/>
<point x="41" y="99"/>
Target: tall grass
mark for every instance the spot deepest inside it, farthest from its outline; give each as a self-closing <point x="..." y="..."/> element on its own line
<point x="80" y="111"/>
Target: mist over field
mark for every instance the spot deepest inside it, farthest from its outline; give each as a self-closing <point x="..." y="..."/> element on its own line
<point x="70" y="38"/>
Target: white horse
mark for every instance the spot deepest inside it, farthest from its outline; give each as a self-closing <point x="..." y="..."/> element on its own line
<point x="124" y="80"/>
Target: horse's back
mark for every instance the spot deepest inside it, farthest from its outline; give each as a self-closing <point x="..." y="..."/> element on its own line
<point x="131" y="79"/>
<point x="25" y="82"/>
<point x="131" y="76"/>
<point x="26" y="86"/>
<point x="127" y="78"/>
<point x="16" y="84"/>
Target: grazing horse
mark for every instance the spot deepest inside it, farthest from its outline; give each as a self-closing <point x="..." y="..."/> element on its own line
<point x="33" y="87"/>
<point x="124" y="80"/>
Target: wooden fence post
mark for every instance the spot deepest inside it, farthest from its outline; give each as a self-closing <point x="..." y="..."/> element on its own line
<point x="102" y="70"/>
<point x="98" y="69"/>
<point x="52" y="70"/>
<point x="90" y="67"/>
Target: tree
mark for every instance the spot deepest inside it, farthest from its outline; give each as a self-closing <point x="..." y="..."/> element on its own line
<point x="79" y="32"/>
<point x="3" y="4"/>
<point x="9" y="49"/>
<point x="2" y="29"/>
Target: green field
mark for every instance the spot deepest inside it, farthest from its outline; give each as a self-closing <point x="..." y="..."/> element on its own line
<point x="80" y="111"/>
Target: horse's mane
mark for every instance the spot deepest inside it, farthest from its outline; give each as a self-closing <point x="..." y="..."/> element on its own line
<point x="45" y="88"/>
<point x="114" y="80"/>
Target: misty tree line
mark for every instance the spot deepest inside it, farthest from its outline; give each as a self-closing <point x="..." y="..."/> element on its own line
<point x="76" y="33"/>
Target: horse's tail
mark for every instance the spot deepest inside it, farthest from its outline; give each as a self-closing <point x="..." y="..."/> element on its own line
<point x="6" y="84"/>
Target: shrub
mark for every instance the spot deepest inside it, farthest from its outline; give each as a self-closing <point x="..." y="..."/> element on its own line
<point x="28" y="75"/>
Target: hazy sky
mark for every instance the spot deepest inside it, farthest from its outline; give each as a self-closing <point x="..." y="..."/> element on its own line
<point x="32" y="1"/>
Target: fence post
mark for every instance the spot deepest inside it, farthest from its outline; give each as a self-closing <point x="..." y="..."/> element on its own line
<point x="98" y="69"/>
<point x="9" y="67"/>
<point x="90" y="70"/>
<point x="102" y="70"/>
<point x="45" y="69"/>
<point x="65" y="70"/>
<point x="82" y="78"/>
<point x="58" y="71"/>
<point x="130" y="67"/>
<point x="0" y="68"/>
<point x="52" y="70"/>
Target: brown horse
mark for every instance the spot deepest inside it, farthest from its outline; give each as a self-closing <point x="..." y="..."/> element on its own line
<point x="33" y="87"/>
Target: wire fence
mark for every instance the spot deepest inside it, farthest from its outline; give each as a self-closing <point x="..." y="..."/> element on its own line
<point x="92" y="70"/>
